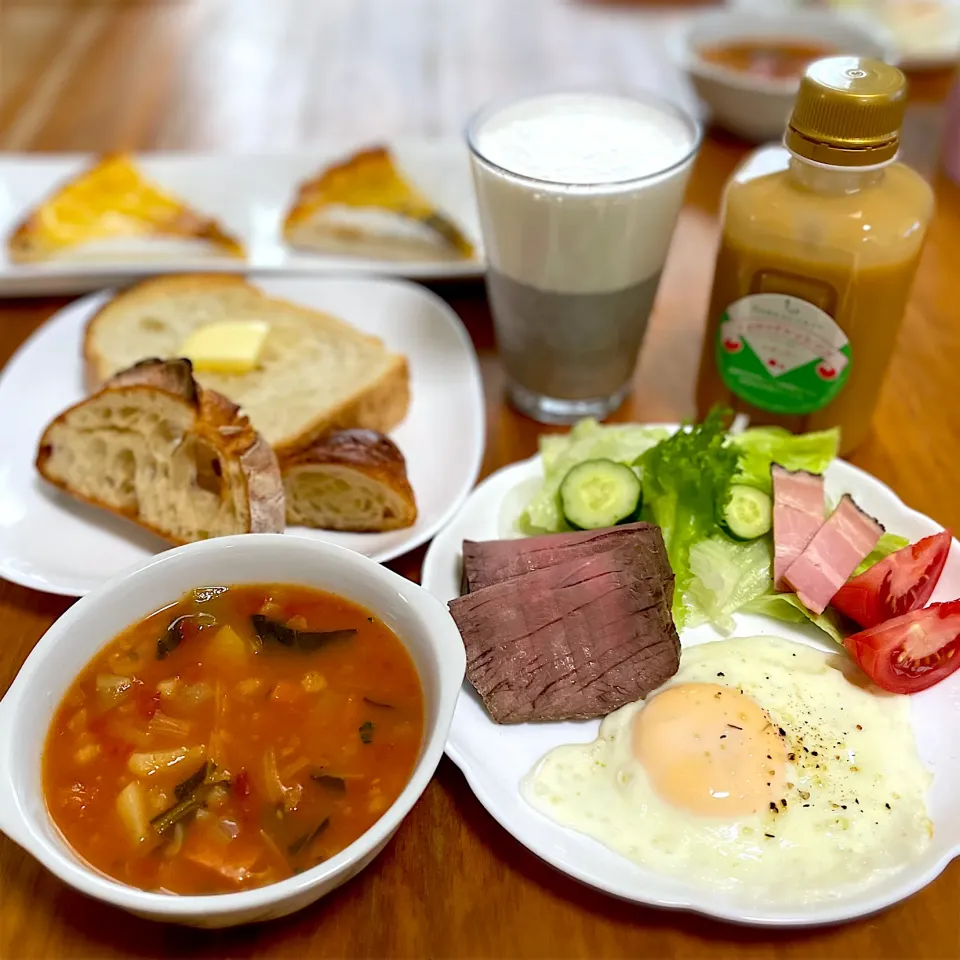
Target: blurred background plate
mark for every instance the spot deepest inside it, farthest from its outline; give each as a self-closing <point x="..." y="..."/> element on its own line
<point x="925" y="33"/>
<point x="249" y="194"/>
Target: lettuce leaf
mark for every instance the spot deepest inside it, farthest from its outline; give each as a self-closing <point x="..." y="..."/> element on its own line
<point x="787" y="607"/>
<point x="732" y="577"/>
<point x="762" y="446"/>
<point x="726" y="575"/>
<point x="588" y="440"/>
<point x="887" y="544"/>
<point x="685" y="479"/>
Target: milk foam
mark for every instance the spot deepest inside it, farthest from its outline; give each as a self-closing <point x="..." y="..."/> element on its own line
<point x="584" y="139"/>
<point x="608" y="176"/>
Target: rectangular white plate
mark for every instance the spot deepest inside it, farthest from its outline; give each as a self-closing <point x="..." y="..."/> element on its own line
<point x="249" y="195"/>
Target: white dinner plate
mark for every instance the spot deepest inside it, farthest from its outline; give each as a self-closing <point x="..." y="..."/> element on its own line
<point x="48" y="541"/>
<point x="494" y="758"/>
<point x="249" y="195"/>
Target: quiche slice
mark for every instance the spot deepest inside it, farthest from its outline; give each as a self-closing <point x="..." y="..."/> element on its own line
<point x="110" y="201"/>
<point x="364" y="207"/>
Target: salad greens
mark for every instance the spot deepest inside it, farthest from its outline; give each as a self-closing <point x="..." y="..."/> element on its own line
<point x="686" y="481"/>
<point x="588" y="440"/>
<point x="788" y="607"/>
<point x="726" y="575"/>
<point x="686" y="478"/>
<point x="762" y="446"/>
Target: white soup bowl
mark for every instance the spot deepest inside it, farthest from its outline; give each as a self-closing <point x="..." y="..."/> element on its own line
<point x="420" y="621"/>
<point x="757" y="108"/>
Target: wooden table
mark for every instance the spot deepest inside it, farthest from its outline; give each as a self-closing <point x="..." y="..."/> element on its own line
<point x="253" y="74"/>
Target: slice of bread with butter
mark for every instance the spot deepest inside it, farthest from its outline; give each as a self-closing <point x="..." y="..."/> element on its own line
<point x="297" y="373"/>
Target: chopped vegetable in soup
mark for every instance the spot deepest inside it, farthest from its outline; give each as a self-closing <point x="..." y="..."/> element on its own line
<point x="232" y="739"/>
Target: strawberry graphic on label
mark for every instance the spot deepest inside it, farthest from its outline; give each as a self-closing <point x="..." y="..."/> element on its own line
<point x="826" y="373"/>
<point x="732" y="345"/>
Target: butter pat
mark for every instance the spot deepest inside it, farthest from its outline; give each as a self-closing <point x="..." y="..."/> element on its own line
<point x="228" y="347"/>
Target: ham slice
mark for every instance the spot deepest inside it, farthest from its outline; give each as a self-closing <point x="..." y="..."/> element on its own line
<point x="832" y="555"/>
<point x="798" y="513"/>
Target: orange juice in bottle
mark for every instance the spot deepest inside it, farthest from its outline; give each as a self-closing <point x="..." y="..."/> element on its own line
<point x="820" y="243"/>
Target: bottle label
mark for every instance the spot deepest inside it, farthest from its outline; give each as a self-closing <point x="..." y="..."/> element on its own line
<point x="781" y="353"/>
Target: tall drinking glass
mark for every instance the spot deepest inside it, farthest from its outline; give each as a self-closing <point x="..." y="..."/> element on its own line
<point x="578" y="196"/>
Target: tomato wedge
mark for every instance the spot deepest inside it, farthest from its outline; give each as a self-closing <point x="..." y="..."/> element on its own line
<point x="897" y="584"/>
<point x="912" y="652"/>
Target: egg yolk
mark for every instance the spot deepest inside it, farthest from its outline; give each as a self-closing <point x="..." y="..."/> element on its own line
<point x="711" y="750"/>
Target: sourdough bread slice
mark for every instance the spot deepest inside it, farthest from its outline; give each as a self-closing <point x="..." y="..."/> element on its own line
<point x="155" y="447"/>
<point x="315" y="374"/>
<point x="350" y="480"/>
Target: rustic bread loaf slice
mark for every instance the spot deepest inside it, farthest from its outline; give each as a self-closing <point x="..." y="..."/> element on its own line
<point x="350" y="480"/>
<point x="315" y="373"/>
<point x="155" y="447"/>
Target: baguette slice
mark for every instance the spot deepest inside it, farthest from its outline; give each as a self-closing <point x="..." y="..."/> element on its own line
<point x="364" y="207"/>
<point x="111" y="201"/>
<point x="350" y="480"/>
<point x="157" y="448"/>
<point x="315" y="373"/>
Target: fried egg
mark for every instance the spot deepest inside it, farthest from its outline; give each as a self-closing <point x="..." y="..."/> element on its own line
<point x="759" y="768"/>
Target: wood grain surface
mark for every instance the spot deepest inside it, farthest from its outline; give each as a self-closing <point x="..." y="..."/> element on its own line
<point x="240" y="75"/>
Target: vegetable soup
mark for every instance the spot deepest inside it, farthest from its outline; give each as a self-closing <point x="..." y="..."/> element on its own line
<point x="771" y="58"/>
<point x="232" y="739"/>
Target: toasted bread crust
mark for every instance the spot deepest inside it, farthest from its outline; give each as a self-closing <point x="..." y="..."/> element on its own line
<point x="25" y="244"/>
<point x="381" y="407"/>
<point x="353" y="448"/>
<point x="367" y="452"/>
<point x="219" y="423"/>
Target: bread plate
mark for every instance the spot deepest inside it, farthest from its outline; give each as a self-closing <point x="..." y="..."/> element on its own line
<point x="494" y="757"/>
<point x="249" y="195"/>
<point x="52" y="543"/>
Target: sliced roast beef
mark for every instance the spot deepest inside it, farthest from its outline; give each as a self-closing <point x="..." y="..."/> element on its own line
<point x="487" y="562"/>
<point x="798" y="513"/>
<point x="832" y="555"/>
<point x="576" y="639"/>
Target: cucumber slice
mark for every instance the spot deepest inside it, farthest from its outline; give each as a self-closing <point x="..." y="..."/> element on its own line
<point x="748" y="513"/>
<point x="599" y="493"/>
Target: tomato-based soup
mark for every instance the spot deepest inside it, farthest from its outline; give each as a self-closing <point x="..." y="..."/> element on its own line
<point x="232" y="739"/>
<point x="772" y="58"/>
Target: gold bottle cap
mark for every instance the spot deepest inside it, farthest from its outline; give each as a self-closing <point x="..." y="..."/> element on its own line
<point x="848" y="112"/>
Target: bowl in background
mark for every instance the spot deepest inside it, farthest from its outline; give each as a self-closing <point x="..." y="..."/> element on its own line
<point x="422" y="623"/>
<point x="757" y="108"/>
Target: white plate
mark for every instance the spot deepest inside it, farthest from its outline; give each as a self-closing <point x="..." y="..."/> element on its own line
<point x="935" y="46"/>
<point x="494" y="758"/>
<point x="249" y="195"/>
<point x="50" y="542"/>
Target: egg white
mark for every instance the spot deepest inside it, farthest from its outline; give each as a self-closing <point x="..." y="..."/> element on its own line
<point x="855" y="803"/>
